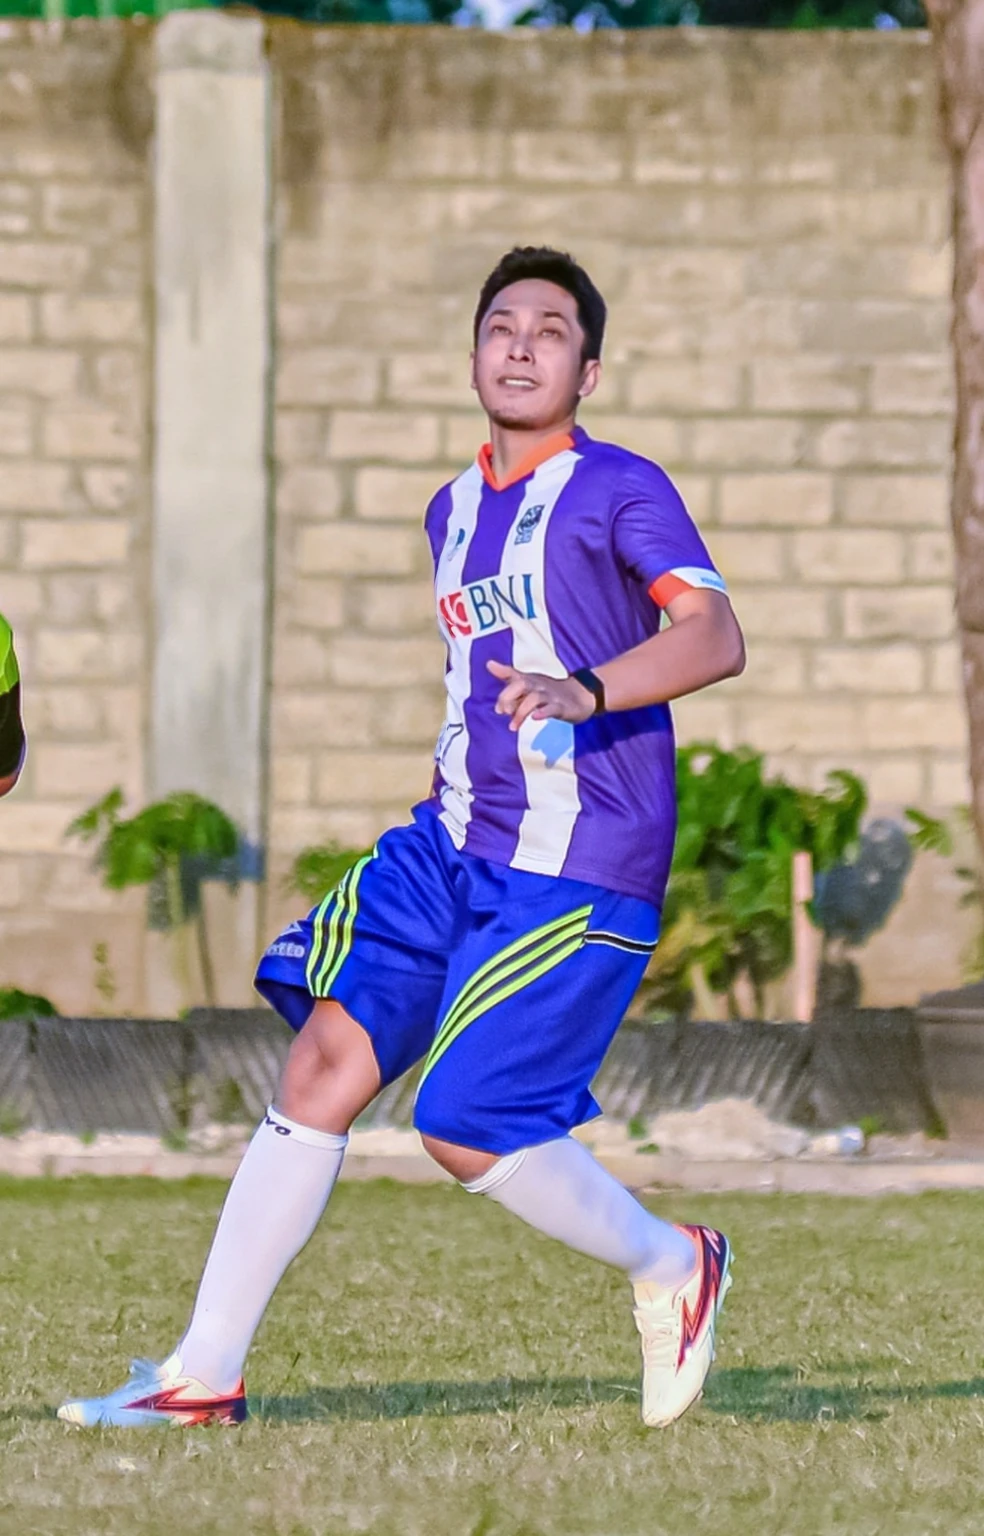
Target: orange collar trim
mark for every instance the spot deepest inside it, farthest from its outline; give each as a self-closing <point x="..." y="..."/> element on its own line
<point x="558" y="443"/>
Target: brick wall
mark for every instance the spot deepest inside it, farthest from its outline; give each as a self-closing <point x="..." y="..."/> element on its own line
<point x="767" y="215"/>
<point x="75" y="115"/>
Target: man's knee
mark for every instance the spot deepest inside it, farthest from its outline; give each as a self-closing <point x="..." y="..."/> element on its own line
<point x="331" y="1073"/>
<point x="439" y="1103"/>
<point x="463" y="1163"/>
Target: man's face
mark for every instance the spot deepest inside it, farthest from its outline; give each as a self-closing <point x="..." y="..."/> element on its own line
<point x="527" y="365"/>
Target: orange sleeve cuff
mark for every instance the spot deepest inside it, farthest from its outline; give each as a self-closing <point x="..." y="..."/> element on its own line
<point x="665" y="588"/>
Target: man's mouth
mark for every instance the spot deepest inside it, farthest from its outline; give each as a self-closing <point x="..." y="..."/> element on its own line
<point x="512" y="382"/>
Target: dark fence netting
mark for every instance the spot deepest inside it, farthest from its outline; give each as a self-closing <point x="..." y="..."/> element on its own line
<point x="236" y="1062"/>
<point x="165" y="1076"/>
<point x="871" y="1065"/>
<point x="156" y="1076"/>
<point x="15" y="1069"/>
<point x="106" y="1075"/>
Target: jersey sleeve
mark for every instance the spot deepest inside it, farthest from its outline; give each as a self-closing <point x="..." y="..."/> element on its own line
<point x="436" y="520"/>
<point x="655" y="537"/>
<point x="11" y="728"/>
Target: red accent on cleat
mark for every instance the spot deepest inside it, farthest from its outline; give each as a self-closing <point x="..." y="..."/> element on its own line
<point x="710" y="1257"/>
<point x="189" y="1410"/>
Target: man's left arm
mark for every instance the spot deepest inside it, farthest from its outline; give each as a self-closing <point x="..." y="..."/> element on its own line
<point x="701" y="645"/>
<point x="658" y="546"/>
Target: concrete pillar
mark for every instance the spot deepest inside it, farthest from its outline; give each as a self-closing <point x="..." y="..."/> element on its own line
<point x="212" y="501"/>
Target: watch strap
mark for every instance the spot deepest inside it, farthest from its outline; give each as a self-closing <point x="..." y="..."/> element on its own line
<point x="594" y="684"/>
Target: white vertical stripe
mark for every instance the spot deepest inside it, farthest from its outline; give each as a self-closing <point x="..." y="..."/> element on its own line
<point x="451" y="753"/>
<point x="546" y="747"/>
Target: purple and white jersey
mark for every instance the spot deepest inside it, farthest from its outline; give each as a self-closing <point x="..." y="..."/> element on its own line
<point x="566" y="566"/>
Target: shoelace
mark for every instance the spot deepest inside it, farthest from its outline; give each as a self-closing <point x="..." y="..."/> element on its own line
<point x="658" y="1338"/>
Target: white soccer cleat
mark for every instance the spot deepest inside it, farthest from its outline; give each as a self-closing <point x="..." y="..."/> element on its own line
<point x="153" y="1396"/>
<point x="677" y="1330"/>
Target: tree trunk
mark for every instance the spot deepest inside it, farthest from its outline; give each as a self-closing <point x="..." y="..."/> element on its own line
<point x="958" y="36"/>
<point x="179" y="933"/>
<point x="205" y="952"/>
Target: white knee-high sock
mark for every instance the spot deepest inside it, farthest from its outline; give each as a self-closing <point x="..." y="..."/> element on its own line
<point x="274" y="1203"/>
<point x="559" y="1188"/>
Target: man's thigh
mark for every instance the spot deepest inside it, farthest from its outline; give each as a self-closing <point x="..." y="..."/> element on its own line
<point x="378" y="945"/>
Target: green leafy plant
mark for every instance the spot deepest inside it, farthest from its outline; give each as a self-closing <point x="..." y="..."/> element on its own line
<point x="953" y="837"/>
<point x="582" y="15"/>
<point x="15" y="1004"/>
<point x="105" y="977"/>
<point x="317" y="870"/>
<point x="12" y="1120"/>
<point x="727" y="917"/>
<point x="229" y="1106"/>
<point x="170" y="846"/>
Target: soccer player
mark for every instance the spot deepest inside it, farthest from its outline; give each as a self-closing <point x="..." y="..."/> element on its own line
<point x="12" y="740"/>
<point x="501" y="935"/>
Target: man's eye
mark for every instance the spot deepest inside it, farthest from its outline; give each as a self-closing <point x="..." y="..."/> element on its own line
<point x="498" y="329"/>
<point x="549" y="330"/>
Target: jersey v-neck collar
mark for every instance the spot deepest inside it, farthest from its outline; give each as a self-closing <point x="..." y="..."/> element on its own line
<point x="560" y="442"/>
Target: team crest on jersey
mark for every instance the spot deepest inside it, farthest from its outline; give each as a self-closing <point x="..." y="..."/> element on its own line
<point x="526" y="525"/>
<point x="449" y="731"/>
<point x="483" y="607"/>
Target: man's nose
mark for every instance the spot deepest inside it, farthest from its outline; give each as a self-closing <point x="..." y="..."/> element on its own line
<point x="521" y="346"/>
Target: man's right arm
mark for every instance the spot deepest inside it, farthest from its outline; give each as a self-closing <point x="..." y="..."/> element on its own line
<point x="12" y="739"/>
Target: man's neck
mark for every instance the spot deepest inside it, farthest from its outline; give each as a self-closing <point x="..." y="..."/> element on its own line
<point x="511" y="447"/>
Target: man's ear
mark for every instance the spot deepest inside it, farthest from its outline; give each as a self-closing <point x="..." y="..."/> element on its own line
<point x="590" y="378"/>
<point x="471" y="370"/>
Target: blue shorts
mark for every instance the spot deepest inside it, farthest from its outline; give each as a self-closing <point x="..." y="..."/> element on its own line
<point x="509" y="985"/>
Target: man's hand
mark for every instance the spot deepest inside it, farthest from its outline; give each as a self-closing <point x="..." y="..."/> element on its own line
<point x="531" y="695"/>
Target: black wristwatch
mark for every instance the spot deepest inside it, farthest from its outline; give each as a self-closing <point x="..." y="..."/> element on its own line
<point x="594" y="684"/>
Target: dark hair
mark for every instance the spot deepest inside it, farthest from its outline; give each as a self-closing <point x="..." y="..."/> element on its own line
<point x="525" y="261"/>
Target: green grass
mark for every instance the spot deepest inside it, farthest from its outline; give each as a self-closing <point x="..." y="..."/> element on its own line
<point x="432" y="1368"/>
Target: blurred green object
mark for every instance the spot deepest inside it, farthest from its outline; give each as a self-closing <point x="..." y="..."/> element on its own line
<point x="581" y="15"/>
<point x="727" y="920"/>
<point x="726" y="930"/>
<point x="15" y="1004"/>
<point x="171" y="847"/>
<point x="317" y="870"/>
<point x="62" y="10"/>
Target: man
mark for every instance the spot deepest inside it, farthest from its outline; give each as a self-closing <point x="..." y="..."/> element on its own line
<point x="12" y="740"/>
<point x="501" y="935"/>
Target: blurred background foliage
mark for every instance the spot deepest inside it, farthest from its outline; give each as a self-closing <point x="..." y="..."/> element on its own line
<point x="726" y="934"/>
<point x="581" y="15"/>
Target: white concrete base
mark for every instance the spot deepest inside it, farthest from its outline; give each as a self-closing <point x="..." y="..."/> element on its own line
<point x="398" y="1155"/>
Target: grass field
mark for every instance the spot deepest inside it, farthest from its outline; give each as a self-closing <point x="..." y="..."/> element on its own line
<point x="432" y="1368"/>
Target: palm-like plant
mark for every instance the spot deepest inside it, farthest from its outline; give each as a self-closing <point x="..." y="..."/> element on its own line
<point x="318" y="869"/>
<point x="170" y="846"/>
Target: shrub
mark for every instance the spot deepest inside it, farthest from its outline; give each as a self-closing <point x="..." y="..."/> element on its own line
<point x="727" y="930"/>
